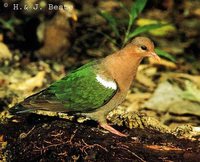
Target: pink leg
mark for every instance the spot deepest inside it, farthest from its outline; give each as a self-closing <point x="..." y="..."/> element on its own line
<point x="112" y="130"/>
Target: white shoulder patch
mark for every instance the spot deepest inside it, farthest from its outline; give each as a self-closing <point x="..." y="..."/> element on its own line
<point x="106" y="83"/>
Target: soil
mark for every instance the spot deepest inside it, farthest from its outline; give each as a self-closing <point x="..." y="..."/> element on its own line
<point x="51" y="139"/>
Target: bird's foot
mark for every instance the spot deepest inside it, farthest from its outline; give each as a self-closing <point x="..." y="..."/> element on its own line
<point x="112" y="130"/>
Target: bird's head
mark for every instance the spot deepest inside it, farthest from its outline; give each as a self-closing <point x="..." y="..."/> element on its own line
<point x="143" y="47"/>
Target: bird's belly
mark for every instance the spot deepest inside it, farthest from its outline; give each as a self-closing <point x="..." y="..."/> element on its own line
<point x="101" y="113"/>
<point x="113" y="103"/>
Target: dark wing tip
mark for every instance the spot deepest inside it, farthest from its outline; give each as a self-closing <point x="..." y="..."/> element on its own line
<point x="18" y="109"/>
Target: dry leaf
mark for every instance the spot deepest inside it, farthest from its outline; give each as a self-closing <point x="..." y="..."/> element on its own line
<point x="5" y="53"/>
<point x="146" y="81"/>
<point x="29" y="84"/>
<point x="192" y="92"/>
<point x="108" y="5"/>
<point x="134" y="100"/>
<point x="1" y="37"/>
<point x="167" y="98"/>
<point x="194" y="78"/>
<point x="1" y="138"/>
<point x="137" y="96"/>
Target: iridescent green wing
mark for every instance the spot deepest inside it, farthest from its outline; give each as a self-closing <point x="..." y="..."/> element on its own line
<point x="83" y="90"/>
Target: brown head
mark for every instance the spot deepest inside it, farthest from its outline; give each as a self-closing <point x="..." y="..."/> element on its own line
<point x="122" y="65"/>
<point x="142" y="47"/>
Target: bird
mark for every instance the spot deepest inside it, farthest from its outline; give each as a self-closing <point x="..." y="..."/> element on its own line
<point x="94" y="89"/>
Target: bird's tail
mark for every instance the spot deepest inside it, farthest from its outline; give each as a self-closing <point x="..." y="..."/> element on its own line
<point x="18" y="109"/>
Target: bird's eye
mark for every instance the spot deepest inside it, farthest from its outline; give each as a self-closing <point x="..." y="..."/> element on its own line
<point x="144" y="47"/>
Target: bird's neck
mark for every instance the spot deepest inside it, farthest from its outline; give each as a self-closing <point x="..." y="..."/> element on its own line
<point x="123" y="66"/>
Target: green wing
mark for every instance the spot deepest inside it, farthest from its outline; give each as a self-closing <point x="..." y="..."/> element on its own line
<point x="79" y="91"/>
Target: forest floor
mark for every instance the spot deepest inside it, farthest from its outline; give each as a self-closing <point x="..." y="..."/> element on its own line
<point x="161" y="112"/>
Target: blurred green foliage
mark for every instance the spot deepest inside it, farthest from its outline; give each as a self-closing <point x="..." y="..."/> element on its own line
<point x="165" y="54"/>
<point x="130" y="32"/>
<point x="9" y="24"/>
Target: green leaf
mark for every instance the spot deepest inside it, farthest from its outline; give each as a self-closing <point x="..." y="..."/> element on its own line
<point x="137" y="8"/>
<point x="165" y="54"/>
<point x="7" y="24"/>
<point x="143" y="29"/>
<point x="111" y="21"/>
